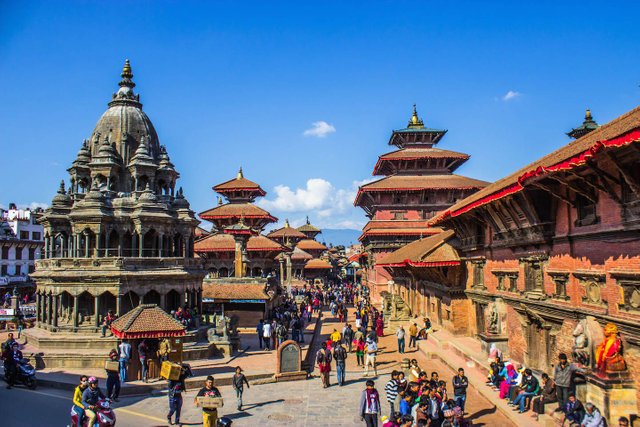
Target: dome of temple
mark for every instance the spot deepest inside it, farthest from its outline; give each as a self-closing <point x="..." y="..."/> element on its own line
<point x="125" y="123"/>
<point x="148" y="196"/>
<point x="62" y="198"/>
<point x="84" y="156"/>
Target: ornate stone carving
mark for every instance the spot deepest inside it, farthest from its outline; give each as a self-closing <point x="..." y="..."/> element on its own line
<point x="609" y="353"/>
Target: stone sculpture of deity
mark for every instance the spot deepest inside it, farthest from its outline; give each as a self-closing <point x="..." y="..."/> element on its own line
<point x="609" y="353"/>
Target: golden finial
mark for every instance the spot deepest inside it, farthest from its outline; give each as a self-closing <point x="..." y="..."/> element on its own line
<point x="415" y="121"/>
<point x="219" y="201"/>
<point x="126" y="70"/>
<point x="587" y="115"/>
<point x="240" y="175"/>
<point x="286" y="223"/>
<point x="308" y="223"/>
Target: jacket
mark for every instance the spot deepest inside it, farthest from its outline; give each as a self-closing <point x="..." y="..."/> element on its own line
<point x="564" y="376"/>
<point x="530" y="385"/>
<point x="549" y="391"/>
<point x="340" y="354"/>
<point x="391" y="389"/>
<point x="460" y="385"/>
<point x="593" y="419"/>
<point x="369" y="402"/>
<point x="90" y="397"/>
<point x="77" y="397"/>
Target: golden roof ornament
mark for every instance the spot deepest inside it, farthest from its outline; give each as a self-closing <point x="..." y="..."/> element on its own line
<point x="286" y="223"/>
<point x="240" y="175"/>
<point x="415" y="122"/>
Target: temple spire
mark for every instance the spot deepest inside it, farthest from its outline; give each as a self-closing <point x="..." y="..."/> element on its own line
<point x="127" y="76"/>
<point x="240" y="175"/>
<point x="587" y="126"/>
<point x="286" y="223"/>
<point x="415" y="121"/>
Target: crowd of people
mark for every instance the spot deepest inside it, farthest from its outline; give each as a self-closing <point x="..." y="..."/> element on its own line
<point x="524" y="391"/>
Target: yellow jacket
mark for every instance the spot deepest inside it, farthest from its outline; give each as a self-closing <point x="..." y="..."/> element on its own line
<point x="77" y="397"/>
<point x="413" y="330"/>
<point x="335" y="337"/>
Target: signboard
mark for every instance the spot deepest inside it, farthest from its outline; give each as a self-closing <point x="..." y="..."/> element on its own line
<point x="7" y="312"/>
<point x="290" y="358"/>
<point x="5" y="280"/>
<point x="250" y="301"/>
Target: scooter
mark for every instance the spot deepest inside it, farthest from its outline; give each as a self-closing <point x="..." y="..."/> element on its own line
<point x="105" y="417"/>
<point x="25" y="373"/>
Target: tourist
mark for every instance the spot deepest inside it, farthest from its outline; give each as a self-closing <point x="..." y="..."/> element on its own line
<point x="176" y="388"/>
<point x="372" y="351"/>
<point x="78" y="407"/>
<point x="405" y="404"/>
<point x="106" y="322"/>
<point x="113" y="378"/>
<point x="164" y="349"/>
<point x="414" y="370"/>
<point x="623" y="422"/>
<point x="281" y="333"/>
<point x="335" y="336"/>
<point x="260" y="331"/>
<point x="548" y="395"/>
<point x="238" y="382"/>
<point x="574" y="411"/>
<point x="495" y="368"/>
<point x="424" y="333"/>
<point x="360" y="349"/>
<point x="592" y="417"/>
<point x="391" y="390"/>
<point x="340" y="356"/>
<point x="266" y="335"/>
<point x="90" y="397"/>
<point x="400" y="335"/>
<point x="347" y="337"/>
<point x="124" y="350"/>
<point x="8" y="344"/>
<point x="370" y="405"/>
<point x="323" y="360"/>
<point x="11" y="357"/>
<point x="358" y="320"/>
<point x="460" y="384"/>
<point x="295" y="329"/>
<point x="209" y="416"/>
<point x="530" y="388"/>
<point x="274" y="334"/>
<point x="142" y="356"/>
<point x="379" y="327"/>
<point x="563" y="375"/>
<point x="413" y="334"/>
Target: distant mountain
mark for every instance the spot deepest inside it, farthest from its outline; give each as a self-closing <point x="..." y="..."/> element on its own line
<point x="339" y="236"/>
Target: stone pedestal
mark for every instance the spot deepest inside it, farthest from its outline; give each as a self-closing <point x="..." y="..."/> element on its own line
<point x="501" y="342"/>
<point x="614" y="396"/>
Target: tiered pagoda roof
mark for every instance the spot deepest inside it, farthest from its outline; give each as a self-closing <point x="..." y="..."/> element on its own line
<point x="309" y="230"/>
<point x="287" y="235"/>
<point x="224" y="242"/>
<point x="240" y="189"/>
<point x="310" y="244"/>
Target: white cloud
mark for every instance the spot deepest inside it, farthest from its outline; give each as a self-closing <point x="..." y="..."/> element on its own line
<point x="512" y="94"/>
<point x="319" y="129"/>
<point x="328" y="206"/>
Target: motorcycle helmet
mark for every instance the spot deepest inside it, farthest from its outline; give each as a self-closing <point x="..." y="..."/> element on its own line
<point x="93" y="380"/>
<point x="224" y="422"/>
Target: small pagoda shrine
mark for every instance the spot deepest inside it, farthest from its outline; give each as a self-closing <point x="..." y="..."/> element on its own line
<point x="241" y="262"/>
<point x="418" y="182"/>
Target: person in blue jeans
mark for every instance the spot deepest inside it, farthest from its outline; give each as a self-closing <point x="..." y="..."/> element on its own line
<point x="176" y="388"/>
<point x="400" y="335"/>
<point x="529" y="388"/>
<point x="340" y="356"/>
<point x="460" y="383"/>
<point x="124" y="350"/>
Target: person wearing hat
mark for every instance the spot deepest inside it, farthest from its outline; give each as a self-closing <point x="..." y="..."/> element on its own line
<point x="90" y="397"/>
<point x="209" y="416"/>
<point x="238" y="382"/>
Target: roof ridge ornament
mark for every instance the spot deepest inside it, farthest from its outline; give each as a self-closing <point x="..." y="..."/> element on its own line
<point x="415" y="122"/>
<point x="240" y="175"/>
<point x="127" y="76"/>
<point x="125" y="93"/>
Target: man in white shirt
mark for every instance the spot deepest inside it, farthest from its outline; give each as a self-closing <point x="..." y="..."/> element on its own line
<point x="372" y="350"/>
<point x="124" y="352"/>
<point x="266" y="335"/>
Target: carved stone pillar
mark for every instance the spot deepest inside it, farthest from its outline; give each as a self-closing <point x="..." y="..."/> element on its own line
<point x="96" y="310"/>
<point x="118" y="304"/>
<point x="56" y="305"/>
<point x="75" y="311"/>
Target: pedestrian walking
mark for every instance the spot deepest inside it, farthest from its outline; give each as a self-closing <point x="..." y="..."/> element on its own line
<point x="413" y="334"/>
<point x="391" y="389"/>
<point x="360" y="348"/>
<point x="266" y="335"/>
<point x="372" y="351"/>
<point x="400" y="335"/>
<point x="113" y="378"/>
<point x="209" y="416"/>
<point x="323" y="360"/>
<point x="124" y="350"/>
<point x="370" y="405"/>
<point x="176" y="388"/>
<point x="239" y="380"/>
<point x="460" y="383"/>
<point x="347" y="337"/>
<point x="340" y="356"/>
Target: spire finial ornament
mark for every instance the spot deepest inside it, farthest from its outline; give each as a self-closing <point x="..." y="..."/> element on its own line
<point x="286" y="223"/>
<point x="587" y="115"/>
<point x="415" y="121"/>
<point x="308" y="223"/>
<point x="240" y="175"/>
<point x="127" y="75"/>
<point x="61" y="189"/>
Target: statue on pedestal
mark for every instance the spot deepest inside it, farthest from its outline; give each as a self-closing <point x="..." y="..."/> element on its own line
<point x="494" y="321"/>
<point x="609" y="353"/>
<point x="581" y="345"/>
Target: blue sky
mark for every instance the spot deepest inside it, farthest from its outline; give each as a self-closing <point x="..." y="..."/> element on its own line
<point x="229" y="84"/>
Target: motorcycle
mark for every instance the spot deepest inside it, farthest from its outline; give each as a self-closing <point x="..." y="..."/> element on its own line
<point x="105" y="417"/>
<point x="25" y="373"/>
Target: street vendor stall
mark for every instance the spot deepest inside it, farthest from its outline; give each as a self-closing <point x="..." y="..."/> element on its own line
<point x="149" y="323"/>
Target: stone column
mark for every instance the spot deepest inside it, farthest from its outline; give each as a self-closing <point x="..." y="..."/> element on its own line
<point x="56" y="304"/>
<point x="281" y="271"/>
<point x="46" y="247"/>
<point x="87" y="237"/>
<point x="199" y="301"/>
<point x="38" y="308"/>
<point x="118" y="304"/>
<point x="75" y="311"/>
<point x="288" y="273"/>
<point x="160" y="242"/>
<point x="120" y="243"/>
<point x="49" y="309"/>
<point x="185" y="243"/>
<point x="96" y="310"/>
<point x="96" y="251"/>
<point x="106" y="244"/>
<point x="140" y="244"/>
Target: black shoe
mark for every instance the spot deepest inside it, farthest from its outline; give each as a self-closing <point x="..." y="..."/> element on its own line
<point x="169" y="421"/>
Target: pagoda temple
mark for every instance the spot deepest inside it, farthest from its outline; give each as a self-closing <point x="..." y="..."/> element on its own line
<point x="241" y="262"/>
<point x="418" y="183"/>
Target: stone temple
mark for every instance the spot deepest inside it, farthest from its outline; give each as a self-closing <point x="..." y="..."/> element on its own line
<point x="120" y="235"/>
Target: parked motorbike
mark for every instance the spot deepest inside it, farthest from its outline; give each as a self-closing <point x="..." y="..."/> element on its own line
<point x="105" y="417"/>
<point x="25" y="373"/>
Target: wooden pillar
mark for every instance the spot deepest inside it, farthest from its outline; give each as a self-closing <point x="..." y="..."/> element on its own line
<point x="75" y="311"/>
